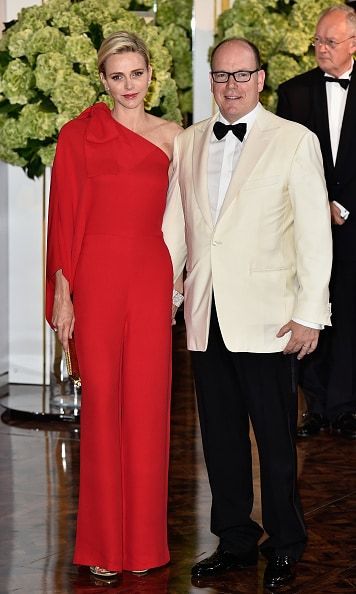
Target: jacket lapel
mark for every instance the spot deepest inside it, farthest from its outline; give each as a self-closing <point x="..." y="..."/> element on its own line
<point x="321" y="118"/>
<point x="255" y="146"/>
<point x="202" y="135"/>
<point x="348" y="124"/>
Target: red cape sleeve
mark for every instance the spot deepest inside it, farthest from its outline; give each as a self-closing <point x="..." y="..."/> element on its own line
<point x="63" y="206"/>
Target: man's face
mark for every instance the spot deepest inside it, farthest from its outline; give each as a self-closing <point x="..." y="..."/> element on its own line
<point x="236" y="99"/>
<point x="334" y="27"/>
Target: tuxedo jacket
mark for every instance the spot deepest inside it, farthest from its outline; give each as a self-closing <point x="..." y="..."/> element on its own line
<point x="268" y="257"/>
<point x="303" y="99"/>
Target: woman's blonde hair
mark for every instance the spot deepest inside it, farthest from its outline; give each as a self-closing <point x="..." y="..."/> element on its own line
<point x="118" y="43"/>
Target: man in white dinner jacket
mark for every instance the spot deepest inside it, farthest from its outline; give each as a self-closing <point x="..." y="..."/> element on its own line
<point x="248" y="215"/>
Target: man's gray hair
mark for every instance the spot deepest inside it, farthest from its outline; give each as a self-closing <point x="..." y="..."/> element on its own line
<point x="348" y="11"/>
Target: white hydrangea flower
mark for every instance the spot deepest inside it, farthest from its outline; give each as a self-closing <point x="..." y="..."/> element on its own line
<point x="47" y="153"/>
<point x="17" y="82"/>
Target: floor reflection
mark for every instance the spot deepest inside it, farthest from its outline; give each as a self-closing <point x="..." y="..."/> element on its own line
<point x="38" y="502"/>
<point x="156" y="582"/>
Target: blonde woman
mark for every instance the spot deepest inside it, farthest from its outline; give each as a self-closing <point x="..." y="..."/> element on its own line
<point x="110" y="282"/>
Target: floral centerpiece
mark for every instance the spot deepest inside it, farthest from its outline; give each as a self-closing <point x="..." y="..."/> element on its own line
<point x="48" y="72"/>
<point x="282" y="30"/>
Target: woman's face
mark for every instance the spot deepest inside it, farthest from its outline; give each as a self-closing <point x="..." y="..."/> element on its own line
<point x="127" y="78"/>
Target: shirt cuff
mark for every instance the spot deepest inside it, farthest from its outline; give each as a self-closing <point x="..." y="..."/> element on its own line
<point x="309" y="324"/>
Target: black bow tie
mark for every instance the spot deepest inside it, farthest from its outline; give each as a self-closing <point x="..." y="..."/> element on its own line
<point x="220" y="130"/>
<point x="344" y="82"/>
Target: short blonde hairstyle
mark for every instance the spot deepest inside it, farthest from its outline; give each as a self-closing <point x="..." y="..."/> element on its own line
<point x="119" y="43"/>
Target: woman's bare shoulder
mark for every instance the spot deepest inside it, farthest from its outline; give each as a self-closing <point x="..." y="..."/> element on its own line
<point x="174" y="129"/>
<point x="169" y="128"/>
<point x="162" y="133"/>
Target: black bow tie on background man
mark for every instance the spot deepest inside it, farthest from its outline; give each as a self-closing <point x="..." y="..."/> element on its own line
<point x="220" y="130"/>
<point x="344" y="82"/>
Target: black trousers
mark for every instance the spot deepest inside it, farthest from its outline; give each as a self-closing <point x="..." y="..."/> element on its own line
<point x="231" y="389"/>
<point x="328" y="376"/>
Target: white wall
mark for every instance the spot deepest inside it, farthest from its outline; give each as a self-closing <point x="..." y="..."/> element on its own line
<point x="25" y="280"/>
<point x="11" y="8"/>
<point x="4" y="255"/>
<point x="4" y="277"/>
<point x="21" y="203"/>
<point x="203" y="37"/>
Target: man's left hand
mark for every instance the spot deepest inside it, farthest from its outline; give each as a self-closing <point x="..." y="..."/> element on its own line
<point x="303" y="340"/>
<point x="335" y="213"/>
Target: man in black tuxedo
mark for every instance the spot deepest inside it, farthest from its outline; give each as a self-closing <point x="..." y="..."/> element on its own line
<point x="324" y="100"/>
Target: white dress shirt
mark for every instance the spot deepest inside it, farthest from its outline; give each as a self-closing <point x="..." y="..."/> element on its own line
<point x="336" y="98"/>
<point x="223" y="158"/>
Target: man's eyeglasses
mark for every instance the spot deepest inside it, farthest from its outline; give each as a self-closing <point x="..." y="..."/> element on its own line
<point x="330" y="43"/>
<point x="240" y="76"/>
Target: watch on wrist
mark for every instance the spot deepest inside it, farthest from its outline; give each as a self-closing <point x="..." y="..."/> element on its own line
<point x="177" y="298"/>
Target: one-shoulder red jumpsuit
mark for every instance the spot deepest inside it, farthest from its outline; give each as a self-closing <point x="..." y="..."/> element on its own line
<point x="108" y="196"/>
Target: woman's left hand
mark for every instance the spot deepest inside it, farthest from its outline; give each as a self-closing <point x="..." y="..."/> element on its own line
<point x="63" y="313"/>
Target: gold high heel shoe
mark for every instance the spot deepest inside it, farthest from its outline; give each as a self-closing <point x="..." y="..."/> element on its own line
<point x="100" y="572"/>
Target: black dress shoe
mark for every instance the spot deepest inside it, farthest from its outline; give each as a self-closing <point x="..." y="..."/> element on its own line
<point x="221" y="561"/>
<point x="345" y="425"/>
<point x="280" y="570"/>
<point x="312" y="424"/>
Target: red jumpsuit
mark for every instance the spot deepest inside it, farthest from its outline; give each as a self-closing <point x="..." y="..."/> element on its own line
<point x="108" y="195"/>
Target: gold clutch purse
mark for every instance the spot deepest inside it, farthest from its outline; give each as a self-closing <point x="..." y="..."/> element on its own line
<point x="72" y="364"/>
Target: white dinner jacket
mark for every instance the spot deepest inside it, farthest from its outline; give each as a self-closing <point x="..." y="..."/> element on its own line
<point x="268" y="257"/>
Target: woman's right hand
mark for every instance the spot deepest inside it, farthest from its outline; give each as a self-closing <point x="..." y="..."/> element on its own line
<point x="63" y="312"/>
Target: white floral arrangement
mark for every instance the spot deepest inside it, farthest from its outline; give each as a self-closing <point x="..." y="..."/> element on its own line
<point x="282" y="30"/>
<point x="48" y="72"/>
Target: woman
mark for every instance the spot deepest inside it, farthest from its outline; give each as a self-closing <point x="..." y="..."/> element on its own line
<point x="110" y="281"/>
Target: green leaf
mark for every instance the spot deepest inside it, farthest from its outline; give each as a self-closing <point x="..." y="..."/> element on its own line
<point x="137" y="5"/>
<point x="34" y="168"/>
<point x="9" y="24"/>
<point x="5" y="58"/>
<point x="12" y="109"/>
<point x="46" y="104"/>
<point x="96" y="34"/>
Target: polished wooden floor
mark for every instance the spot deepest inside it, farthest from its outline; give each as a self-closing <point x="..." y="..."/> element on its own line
<point x="38" y="500"/>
